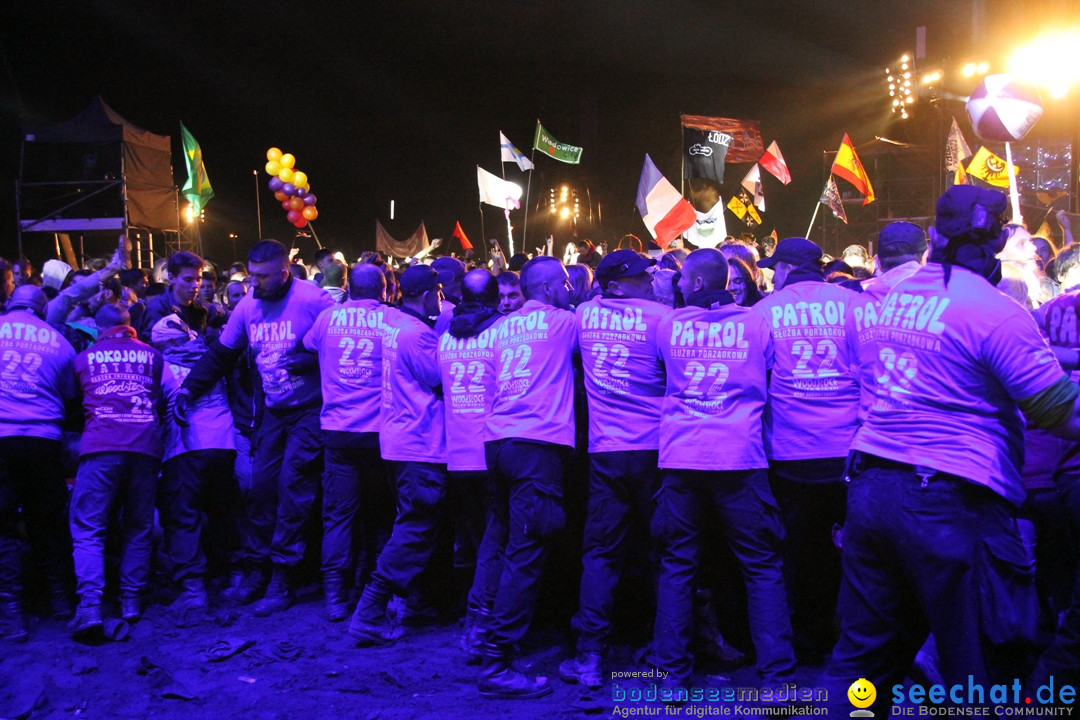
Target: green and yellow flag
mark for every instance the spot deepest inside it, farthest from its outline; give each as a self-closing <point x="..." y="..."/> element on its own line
<point x="554" y="149"/>
<point x="197" y="188"/>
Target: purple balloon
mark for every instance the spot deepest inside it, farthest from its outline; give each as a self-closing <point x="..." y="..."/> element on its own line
<point x="300" y="192"/>
<point x="310" y="199"/>
<point x="289" y="189"/>
<point x="275" y="183"/>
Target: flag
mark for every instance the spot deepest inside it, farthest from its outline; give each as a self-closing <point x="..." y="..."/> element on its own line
<point x="831" y="197"/>
<point x="847" y="166"/>
<point x="460" y="235"/>
<point x="752" y="218"/>
<point x="744" y="144"/>
<point x="496" y="191"/>
<point x="752" y="183"/>
<point x="512" y="154"/>
<point x="956" y="148"/>
<point x="197" y="188"/>
<point x="710" y="228"/>
<point x="407" y="248"/>
<point x="704" y="152"/>
<point x="960" y="177"/>
<point x="665" y="212"/>
<point x="989" y="168"/>
<point x="737" y="206"/>
<point x="773" y="161"/>
<point x="556" y="150"/>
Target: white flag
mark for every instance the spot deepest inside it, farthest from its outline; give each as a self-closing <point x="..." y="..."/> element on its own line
<point x="512" y="154"/>
<point x="496" y="191"/>
<point x="752" y="183"/>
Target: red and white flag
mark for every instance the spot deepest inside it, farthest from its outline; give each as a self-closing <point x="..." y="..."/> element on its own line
<point x="666" y="213"/>
<point x="773" y="161"/>
<point x="752" y="183"/>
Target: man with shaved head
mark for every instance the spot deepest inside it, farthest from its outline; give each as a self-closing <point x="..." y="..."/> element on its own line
<point x="36" y="381"/>
<point x="348" y="340"/>
<point x="717" y="357"/>
<point x="530" y="431"/>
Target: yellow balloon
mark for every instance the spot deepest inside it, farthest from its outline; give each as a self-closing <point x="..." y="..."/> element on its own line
<point x="286" y="175"/>
<point x="287" y="161"/>
<point x="306" y="186"/>
<point x="273" y="155"/>
<point x="299" y="178"/>
<point x="273" y="167"/>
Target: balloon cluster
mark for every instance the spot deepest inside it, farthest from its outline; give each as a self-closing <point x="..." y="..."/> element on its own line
<point x="290" y="187"/>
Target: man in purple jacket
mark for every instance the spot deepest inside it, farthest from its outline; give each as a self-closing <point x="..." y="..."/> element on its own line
<point x="120" y="379"/>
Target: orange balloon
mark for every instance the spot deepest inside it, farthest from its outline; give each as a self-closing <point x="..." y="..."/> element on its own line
<point x="286" y="175"/>
<point x="287" y="161"/>
<point x="280" y="196"/>
<point x="309" y="211"/>
<point x="296" y="203"/>
<point x="273" y="167"/>
<point x="273" y="155"/>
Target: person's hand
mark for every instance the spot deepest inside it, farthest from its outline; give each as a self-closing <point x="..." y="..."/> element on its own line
<point x="119" y="259"/>
<point x="99" y="299"/>
<point x="181" y="407"/>
<point x="436" y="243"/>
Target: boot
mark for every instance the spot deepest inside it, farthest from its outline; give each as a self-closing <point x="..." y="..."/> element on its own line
<point x="582" y="670"/>
<point x="247" y="586"/>
<point x="336" y="595"/>
<point x="708" y="640"/>
<point x="500" y="681"/>
<point x="369" y="624"/>
<point x="87" y="624"/>
<point x="192" y="596"/>
<point x="278" y="596"/>
<point x="130" y="608"/>
<point x="12" y="622"/>
<point x="472" y="640"/>
<point x="60" y="601"/>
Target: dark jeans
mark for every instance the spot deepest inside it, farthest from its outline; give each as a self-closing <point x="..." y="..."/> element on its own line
<point x="285" y="479"/>
<point x="193" y="484"/>
<point x="421" y="489"/>
<point x="32" y="477"/>
<point x="1062" y="658"/>
<point x="527" y="512"/>
<point x="910" y="560"/>
<point x="470" y="497"/>
<point x="622" y="488"/>
<point x="358" y="508"/>
<point x="812" y="496"/>
<point x="743" y="505"/>
<point x="104" y="481"/>
<point x="475" y="493"/>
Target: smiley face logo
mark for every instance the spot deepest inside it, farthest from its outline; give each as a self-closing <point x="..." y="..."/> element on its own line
<point x="862" y="693"/>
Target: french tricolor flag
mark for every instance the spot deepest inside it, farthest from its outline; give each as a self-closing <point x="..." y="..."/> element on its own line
<point x="666" y="213"/>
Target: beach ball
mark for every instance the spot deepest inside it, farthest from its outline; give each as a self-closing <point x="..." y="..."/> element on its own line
<point x="1003" y="108"/>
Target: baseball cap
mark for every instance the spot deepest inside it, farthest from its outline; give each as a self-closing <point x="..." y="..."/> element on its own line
<point x="794" y="251"/>
<point x="901" y="238"/>
<point x="419" y="278"/>
<point x="29" y="297"/>
<point x="446" y="263"/>
<point x="54" y="272"/>
<point x="622" y="263"/>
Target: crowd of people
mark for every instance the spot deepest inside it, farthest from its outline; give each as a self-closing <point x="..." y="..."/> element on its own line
<point x="853" y="430"/>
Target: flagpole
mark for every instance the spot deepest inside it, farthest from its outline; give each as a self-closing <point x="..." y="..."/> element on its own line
<point x="480" y="207"/>
<point x="318" y="244"/>
<point x="1014" y="195"/>
<point x="528" y="185"/>
<point x="812" y="219"/>
<point x="258" y="204"/>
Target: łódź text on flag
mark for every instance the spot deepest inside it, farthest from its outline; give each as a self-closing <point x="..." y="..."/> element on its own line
<point x="848" y="166"/>
<point x="665" y="212"/>
<point x="496" y="191"/>
<point x="752" y="184"/>
<point x="990" y="168"/>
<point x="554" y="149"/>
<point x="197" y="188"/>
<point x="830" y="196"/>
<point x="512" y="154"/>
<point x="773" y="161"/>
<point x="460" y="235"/>
<point x="709" y="142"/>
<point x="956" y="148"/>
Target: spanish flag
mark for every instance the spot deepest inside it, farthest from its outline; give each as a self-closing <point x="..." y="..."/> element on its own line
<point x="847" y="166"/>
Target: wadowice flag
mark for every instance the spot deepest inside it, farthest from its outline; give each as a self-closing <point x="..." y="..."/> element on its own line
<point x="848" y="166"/>
<point x="545" y="142"/>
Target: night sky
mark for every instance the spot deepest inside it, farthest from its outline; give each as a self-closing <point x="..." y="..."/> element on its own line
<point x="402" y="100"/>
